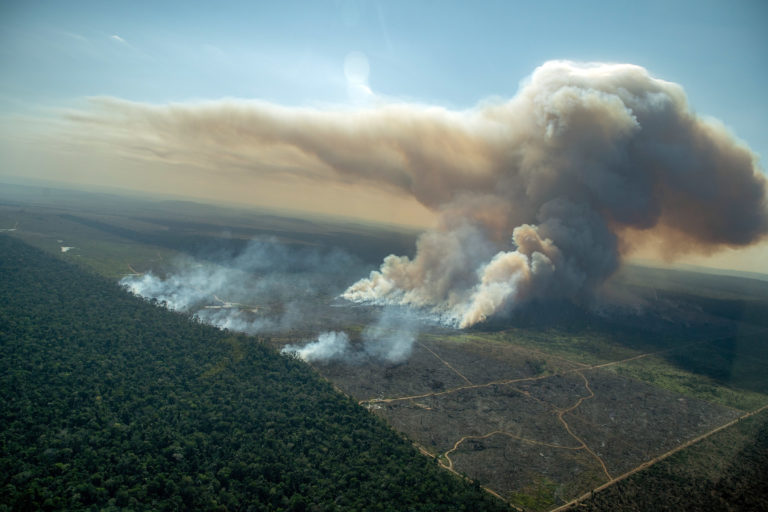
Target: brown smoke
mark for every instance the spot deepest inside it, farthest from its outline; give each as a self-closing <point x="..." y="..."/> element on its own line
<point x="537" y="195"/>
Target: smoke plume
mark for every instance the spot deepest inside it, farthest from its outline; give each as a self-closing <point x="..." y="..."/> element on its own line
<point x="390" y="338"/>
<point x="268" y="287"/>
<point x="328" y="346"/>
<point x="538" y="196"/>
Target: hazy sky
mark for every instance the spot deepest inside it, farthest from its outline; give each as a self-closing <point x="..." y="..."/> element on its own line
<point x="449" y="53"/>
<point x="54" y="55"/>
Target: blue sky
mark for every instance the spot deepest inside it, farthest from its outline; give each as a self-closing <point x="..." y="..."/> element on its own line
<point x="449" y="53"/>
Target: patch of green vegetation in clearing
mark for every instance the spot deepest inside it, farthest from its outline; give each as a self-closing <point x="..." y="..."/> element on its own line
<point x="657" y="371"/>
<point x="586" y="347"/>
<point x="538" y="496"/>
<point x="535" y="360"/>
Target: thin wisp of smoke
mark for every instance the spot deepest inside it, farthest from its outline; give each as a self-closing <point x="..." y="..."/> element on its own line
<point x="539" y="196"/>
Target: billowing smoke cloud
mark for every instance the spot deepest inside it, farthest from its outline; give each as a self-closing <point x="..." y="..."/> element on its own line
<point x="538" y="196"/>
<point x="390" y="338"/>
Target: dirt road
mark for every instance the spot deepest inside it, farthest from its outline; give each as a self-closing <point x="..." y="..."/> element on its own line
<point x="653" y="461"/>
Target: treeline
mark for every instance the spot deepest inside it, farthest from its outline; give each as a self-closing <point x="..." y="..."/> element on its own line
<point x="107" y="403"/>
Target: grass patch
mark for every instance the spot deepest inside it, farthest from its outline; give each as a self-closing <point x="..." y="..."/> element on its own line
<point x="538" y="496"/>
<point x="586" y="348"/>
<point x="112" y="259"/>
<point x="659" y="372"/>
<point x="108" y="257"/>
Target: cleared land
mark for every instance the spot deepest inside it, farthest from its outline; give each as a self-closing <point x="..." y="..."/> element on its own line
<point x="539" y="408"/>
<point x="534" y="428"/>
<point x="725" y="469"/>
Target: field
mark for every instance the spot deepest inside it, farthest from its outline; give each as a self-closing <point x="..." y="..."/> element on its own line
<point x="726" y="471"/>
<point x="539" y="407"/>
<point x="533" y="426"/>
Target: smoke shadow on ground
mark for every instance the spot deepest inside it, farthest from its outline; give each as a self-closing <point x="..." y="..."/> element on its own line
<point x="686" y="317"/>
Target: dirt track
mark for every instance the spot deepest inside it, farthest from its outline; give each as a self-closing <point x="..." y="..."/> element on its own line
<point x="560" y="412"/>
<point x="659" y="458"/>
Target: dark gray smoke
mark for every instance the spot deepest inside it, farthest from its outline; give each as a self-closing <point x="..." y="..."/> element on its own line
<point x="539" y="196"/>
<point x="582" y="160"/>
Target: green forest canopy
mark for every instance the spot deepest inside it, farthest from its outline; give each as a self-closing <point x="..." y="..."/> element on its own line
<point x="109" y="402"/>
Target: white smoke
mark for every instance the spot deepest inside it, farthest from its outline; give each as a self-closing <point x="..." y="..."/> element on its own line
<point x="266" y="288"/>
<point x="390" y="338"/>
<point x="270" y="288"/>
<point x="539" y="196"/>
<point x="193" y="285"/>
<point x="595" y="156"/>
<point x="328" y="346"/>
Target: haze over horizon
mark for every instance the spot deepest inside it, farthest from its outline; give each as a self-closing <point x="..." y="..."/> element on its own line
<point x="90" y="92"/>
